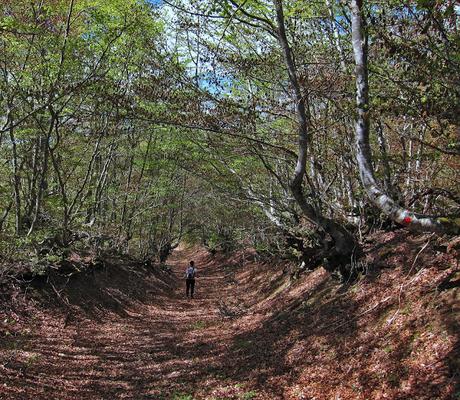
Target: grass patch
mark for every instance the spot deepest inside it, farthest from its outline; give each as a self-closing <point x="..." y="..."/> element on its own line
<point x="182" y="396"/>
<point x="199" y="325"/>
<point x="233" y="392"/>
<point x="279" y="290"/>
<point x="388" y="349"/>
<point x="32" y="359"/>
<point x="243" y="344"/>
<point x="252" y="394"/>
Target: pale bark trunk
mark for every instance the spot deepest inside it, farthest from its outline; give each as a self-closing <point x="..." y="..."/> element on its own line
<point x="138" y="191"/>
<point x="62" y="189"/>
<point x="363" y="150"/>
<point x="344" y="242"/>
<point x="335" y="31"/>
<point x="97" y="211"/>
<point x="44" y="144"/>
<point x="78" y="196"/>
<point x="16" y="180"/>
<point x="5" y="214"/>
<point x="409" y="167"/>
<point x="418" y="160"/>
<point x="30" y="201"/>
<point x="386" y="165"/>
<point x="125" y="199"/>
<point x="57" y="170"/>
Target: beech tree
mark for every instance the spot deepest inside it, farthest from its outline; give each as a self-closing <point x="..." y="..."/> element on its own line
<point x="221" y="121"/>
<point x="339" y="243"/>
<point x="385" y="203"/>
<point x="344" y="243"/>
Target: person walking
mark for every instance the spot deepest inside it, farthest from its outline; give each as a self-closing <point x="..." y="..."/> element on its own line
<point x="190" y="274"/>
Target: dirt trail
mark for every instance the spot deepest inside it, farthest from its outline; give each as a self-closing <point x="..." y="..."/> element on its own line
<point x="251" y="333"/>
<point x="160" y="349"/>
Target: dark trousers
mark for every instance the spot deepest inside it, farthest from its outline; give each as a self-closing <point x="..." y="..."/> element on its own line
<point x="190" y="286"/>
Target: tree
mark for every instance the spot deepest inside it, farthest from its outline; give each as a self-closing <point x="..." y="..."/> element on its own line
<point x="344" y="244"/>
<point x="387" y="205"/>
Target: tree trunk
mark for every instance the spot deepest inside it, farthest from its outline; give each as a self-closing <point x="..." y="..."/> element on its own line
<point x="32" y="181"/>
<point x="79" y="197"/>
<point x="16" y="180"/>
<point x="344" y="243"/>
<point x="44" y="144"/>
<point x="128" y="227"/>
<point x="5" y="214"/>
<point x="127" y="189"/>
<point x="386" y="165"/>
<point x="363" y="149"/>
<point x="336" y="34"/>
<point x="96" y="210"/>
<point x="62" y="189"/>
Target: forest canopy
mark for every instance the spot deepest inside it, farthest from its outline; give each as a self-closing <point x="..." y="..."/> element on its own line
<point x="283" y="125"/>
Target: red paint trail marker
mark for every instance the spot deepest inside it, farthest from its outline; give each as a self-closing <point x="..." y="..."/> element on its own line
<point x="407" y="220"/>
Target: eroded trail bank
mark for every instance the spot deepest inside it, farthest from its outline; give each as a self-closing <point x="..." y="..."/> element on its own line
<point x="128" y="332"/>
<point x="145" y="339"/>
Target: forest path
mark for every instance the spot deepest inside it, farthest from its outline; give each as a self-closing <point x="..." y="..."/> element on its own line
<point x="165" y="347"/>
<point x="122" y="330"/>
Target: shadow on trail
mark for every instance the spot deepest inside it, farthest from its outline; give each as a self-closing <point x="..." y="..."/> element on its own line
<point x="116" y="287"/>
<point x="451" y="321"/>
<point x="138" y="337"/>
<point x="307" y="328"/>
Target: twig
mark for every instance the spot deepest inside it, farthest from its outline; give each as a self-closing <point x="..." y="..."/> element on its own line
<point x="58" y="293"/>
<point x="363" y="313"/>
<point x="403" y="285"/>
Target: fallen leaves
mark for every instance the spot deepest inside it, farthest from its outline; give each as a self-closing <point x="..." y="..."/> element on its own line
<point x="135" y="335"/>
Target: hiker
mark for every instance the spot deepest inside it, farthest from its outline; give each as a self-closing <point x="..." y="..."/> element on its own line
<point x="190" y="274"/>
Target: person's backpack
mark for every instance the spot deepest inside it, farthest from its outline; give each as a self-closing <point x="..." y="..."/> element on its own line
<point x="190" y="273"/>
